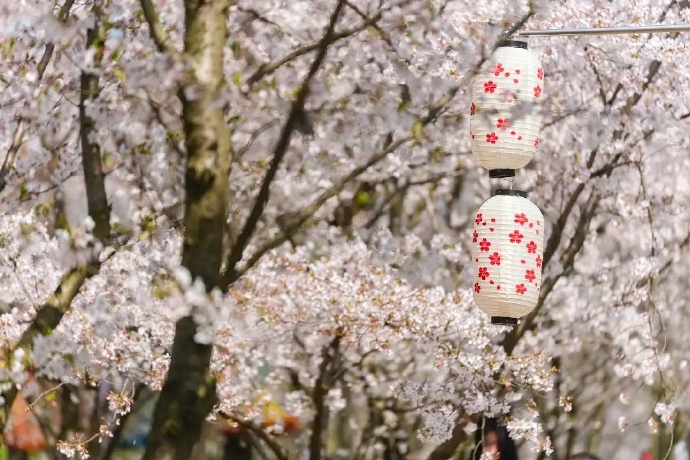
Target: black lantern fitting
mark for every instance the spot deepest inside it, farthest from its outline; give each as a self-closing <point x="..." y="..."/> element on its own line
<point x="504" y="321"/>
<point x="501" y="173"/>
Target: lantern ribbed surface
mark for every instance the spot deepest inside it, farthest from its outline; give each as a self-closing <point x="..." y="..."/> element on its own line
<point x="507" y="252"/>
<point x="505" y="114"/>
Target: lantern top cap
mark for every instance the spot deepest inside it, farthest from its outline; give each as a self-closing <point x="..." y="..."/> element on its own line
<point x="512" y="44"/>
<point x="510" y="192"/>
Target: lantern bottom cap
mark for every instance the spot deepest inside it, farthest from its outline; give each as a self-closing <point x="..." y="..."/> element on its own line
<point x="501" y="173"/>
<point x="504" y="321"/>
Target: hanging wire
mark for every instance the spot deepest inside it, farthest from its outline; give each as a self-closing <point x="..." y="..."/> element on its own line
<point x="657" y="29"/>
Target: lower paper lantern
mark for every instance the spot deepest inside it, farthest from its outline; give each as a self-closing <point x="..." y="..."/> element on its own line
<point x="507" y="252"/>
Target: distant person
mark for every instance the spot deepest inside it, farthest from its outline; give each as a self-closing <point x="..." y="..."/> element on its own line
<point x="493" y="439"/>
<point x="584" y="456"/>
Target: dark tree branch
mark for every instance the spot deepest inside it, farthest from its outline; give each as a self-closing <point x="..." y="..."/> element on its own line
<point x="319" y="394"/>
<point x="158" y="34"/>
<point x="558" y="228"/>
<point x="296" y="110"/>
<point x="96" y="197"/>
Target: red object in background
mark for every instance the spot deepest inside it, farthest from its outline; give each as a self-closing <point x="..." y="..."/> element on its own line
<point x="23" y="431"/>
<point x="647" y="456"/>
<point x="272" y="414"/>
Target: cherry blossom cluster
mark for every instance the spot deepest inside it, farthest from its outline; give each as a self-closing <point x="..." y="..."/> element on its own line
<point x="611" y="183"/>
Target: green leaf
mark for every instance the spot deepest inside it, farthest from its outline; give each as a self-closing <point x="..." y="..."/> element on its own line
<point x="237" y="78"/>
<point x="418" y="129"/>
<point x="115" y="55"/>
<point x="362" y="199"/>
<point x="404" y="105"/>
<point x="120" y="75"/>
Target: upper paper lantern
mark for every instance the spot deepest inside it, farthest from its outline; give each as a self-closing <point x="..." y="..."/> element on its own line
<point x="507" y="252"/>
<point x="505" y="114"/>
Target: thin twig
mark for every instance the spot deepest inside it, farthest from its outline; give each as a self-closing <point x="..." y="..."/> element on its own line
<point x="267" y="69"/>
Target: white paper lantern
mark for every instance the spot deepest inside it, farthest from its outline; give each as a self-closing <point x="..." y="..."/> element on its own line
<point x="507" y="251"/>
<point x="505" y="114"/>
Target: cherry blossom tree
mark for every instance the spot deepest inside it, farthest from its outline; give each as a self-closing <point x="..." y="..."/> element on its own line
<point x="262" y="212"/>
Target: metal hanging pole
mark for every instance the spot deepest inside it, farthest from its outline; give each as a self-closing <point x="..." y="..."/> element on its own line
<point x="658" y="29"/>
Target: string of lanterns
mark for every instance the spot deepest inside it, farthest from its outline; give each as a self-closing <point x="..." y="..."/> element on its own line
<point x="508" y="237"/>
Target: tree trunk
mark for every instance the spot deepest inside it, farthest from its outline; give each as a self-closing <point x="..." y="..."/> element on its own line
<point x="189" y="391"/>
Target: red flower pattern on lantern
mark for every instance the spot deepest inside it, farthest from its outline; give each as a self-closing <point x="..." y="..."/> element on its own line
<point x="520" y="288"/>
<point x="478" y="219"/>
<point x="499" y="68"/>
<point x="537" y="91"/>
<point x="495" y="259"/>
<point x="521" y="218"/>
<point x="477" y="287"/>
<point x="491" y="138"/>
<point x="483" y="273"/>
<point x="516" y="237"/>
<point x="502" y="123"/>
<point x="484" y="245"/>
<point x="490" y="87"/>
<point x="473" y="108"/>
<point x="540" y="73"/>
<point x="538" y="261"/>
<point x="532" y="247"/>
<point x="529" y="275"/>
<point x="475" y="235"/>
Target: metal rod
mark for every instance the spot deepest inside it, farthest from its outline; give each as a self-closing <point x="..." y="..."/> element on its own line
<point x="607" y="30"/>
